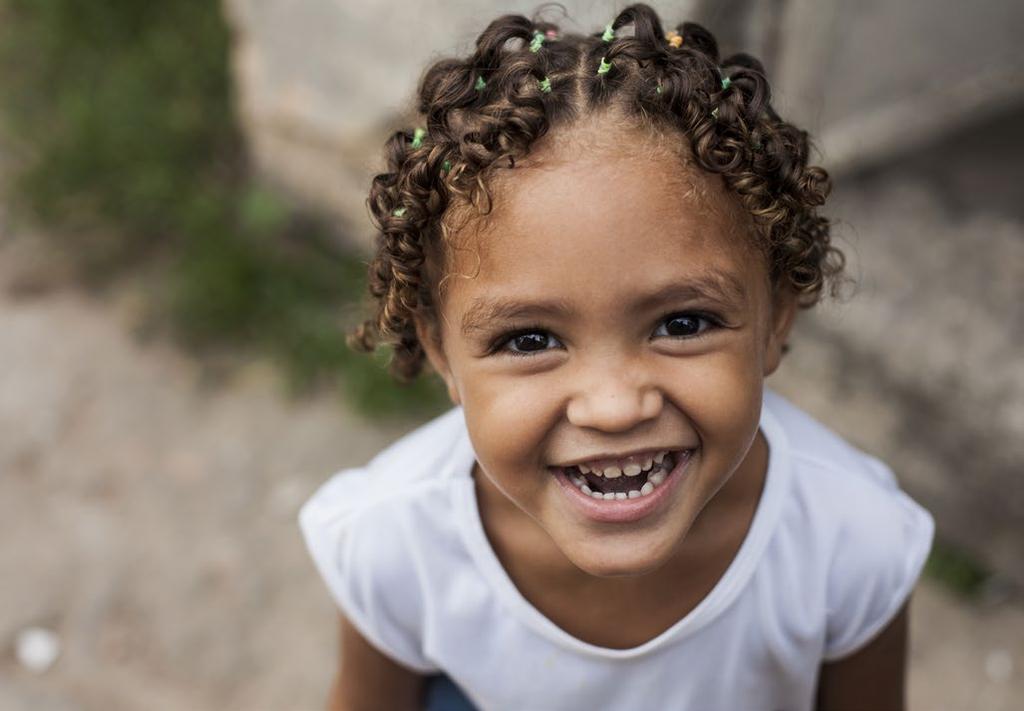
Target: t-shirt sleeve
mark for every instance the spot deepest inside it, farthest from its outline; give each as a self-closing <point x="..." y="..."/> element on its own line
<point x="879" y="554"/>
<point x="358" y="552"/>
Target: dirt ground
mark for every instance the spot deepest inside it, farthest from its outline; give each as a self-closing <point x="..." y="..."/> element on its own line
<point x="149" y="512"/>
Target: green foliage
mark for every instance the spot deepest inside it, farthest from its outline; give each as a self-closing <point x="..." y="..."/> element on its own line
<point x="119" y="121"/>
<point x="956" y="570"/>
<point x="121" y="112"/>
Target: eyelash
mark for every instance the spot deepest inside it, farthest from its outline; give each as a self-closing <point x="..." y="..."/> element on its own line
<point x="499" y="346"/>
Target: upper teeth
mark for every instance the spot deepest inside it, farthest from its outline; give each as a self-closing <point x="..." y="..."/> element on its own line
<point x="629" y="469"/>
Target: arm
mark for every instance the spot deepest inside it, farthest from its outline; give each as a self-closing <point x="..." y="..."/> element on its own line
<point x="871" y="678"/>
<point x="368" y="680"/>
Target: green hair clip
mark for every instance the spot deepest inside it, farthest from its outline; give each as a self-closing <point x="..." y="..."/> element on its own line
<point x="609" y="33"/>
<point x="605" y="66"/>
<point x="538" y="40"/>
<point x="417" y="137"/>
<point x="726" y="83"/>
<point x="545" y="85"/>
<point x="480" y="84"/>
<point x="398" y="211"/>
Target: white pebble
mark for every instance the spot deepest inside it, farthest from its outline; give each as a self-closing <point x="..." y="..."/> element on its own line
<point x="37" y="649"/>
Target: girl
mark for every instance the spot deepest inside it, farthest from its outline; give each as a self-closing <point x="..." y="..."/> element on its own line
<point x="600" y="243"/>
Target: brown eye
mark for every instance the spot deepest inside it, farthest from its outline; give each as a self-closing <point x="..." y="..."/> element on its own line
<point x="528" y="343"/>
<point x="685" y="325"/>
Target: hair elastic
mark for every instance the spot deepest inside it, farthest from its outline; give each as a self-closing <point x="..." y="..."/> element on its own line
<point x="551" y="34"/>
<point x="545" y="85"/>
<point x="674" y="39"/>
<point x="726" y="83"/>
<point x="446" y="166"/>
<point x="609" y="33"/>
<point x="538" y="40"/>
<point x="417" y="137"/>
<point x="480" y="84"/>
<point x="398" y="211"/>
<point x="605" y="66"/>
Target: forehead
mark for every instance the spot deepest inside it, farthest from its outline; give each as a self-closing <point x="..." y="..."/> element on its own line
<point x="621" y="212"/>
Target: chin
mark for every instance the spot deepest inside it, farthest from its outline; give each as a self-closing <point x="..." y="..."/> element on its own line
<point x="623" y="558"/>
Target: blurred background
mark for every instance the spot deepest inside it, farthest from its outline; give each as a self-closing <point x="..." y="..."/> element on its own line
<point x="182" y="240"/>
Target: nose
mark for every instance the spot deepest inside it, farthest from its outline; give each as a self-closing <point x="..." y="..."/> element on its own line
<point x="614" y="398"/>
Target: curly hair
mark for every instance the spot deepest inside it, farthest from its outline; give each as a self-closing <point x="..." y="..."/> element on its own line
<point x="526" y="78"/>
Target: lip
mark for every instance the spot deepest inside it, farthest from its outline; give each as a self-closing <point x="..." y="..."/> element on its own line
<point x="624" y="510"/>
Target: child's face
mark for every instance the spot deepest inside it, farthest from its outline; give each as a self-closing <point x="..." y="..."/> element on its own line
<point x="616" y="309"/>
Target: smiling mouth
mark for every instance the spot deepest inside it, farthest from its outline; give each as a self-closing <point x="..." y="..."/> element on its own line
<point x="614" y="483"/>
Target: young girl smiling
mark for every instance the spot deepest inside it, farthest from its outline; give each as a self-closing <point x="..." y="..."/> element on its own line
<point x="600" y="244"/>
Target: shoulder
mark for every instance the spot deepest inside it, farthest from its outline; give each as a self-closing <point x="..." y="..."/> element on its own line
<point x="813" y="444"/>
<point x="425" y="457"/>
<point x="368" y="530"/>
<point x="405" y="485"/>
<point x="866" y="538"/>
<point x="849" y="491"/>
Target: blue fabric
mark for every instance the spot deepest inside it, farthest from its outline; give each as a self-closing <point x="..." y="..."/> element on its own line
<point x="443" y="695"/>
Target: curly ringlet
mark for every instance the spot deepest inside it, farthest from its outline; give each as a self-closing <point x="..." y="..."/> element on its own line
<point x="471" y="131"/>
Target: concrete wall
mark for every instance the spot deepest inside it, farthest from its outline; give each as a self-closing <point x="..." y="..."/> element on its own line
<point x="916" y="107"/>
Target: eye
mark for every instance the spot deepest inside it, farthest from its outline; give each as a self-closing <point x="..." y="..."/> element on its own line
<point x="685" y="325"/>
<point x="527" y="342"/>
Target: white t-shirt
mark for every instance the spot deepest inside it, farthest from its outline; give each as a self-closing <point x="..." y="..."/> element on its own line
<point x="833" y="551"/>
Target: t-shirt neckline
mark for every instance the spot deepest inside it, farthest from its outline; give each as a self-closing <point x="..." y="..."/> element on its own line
<point x="714" y="603"/>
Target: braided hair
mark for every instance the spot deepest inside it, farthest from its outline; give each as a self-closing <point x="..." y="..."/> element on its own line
<point x="525" y="79"/>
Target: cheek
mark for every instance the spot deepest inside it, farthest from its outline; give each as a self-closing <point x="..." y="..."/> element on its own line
<point x="721" y="394"/>
<point x="510" y="417"/>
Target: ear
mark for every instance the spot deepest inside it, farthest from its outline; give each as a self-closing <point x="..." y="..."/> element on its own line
<point x="784" y="308"/>
<point x="430" y="338"/>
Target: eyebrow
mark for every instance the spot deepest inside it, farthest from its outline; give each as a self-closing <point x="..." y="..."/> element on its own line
<point x="484" y="311"/>
<point x="719" y="287"/>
